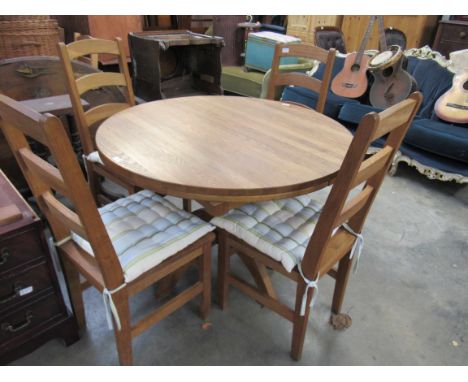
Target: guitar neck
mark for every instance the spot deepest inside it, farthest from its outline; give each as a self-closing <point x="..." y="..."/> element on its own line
<point x="364" y="41"/>
<point x="383" y="40"/>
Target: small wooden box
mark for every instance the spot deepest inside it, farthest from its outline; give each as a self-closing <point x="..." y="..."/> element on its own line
<point x="261" y="49"/>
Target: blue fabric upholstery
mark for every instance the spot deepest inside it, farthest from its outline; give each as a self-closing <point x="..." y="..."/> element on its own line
<point x="354" y="111"/>
<point x="440" y="138"/>
<point x="309" y="98"/>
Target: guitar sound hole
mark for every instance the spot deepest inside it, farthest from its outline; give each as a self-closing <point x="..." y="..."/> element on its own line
<point x="387" y="72"/>
<point x="355" y="67"/>
<point x="465" y="86"/>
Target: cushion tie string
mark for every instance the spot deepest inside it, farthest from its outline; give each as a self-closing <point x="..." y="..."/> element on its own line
<point x="110" y="306"/>
<point x="92" y="157"/>
<point x="309" y="284"/>
<point x="357" y="246"/>
<point x="63" y="241"/>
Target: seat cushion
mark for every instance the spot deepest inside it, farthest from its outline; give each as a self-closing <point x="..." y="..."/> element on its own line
<point x="146" y="229"/>
<point x="309" y="98"/>
<point x="440" y="138"/>
<point x="354" y="111"/>
<point x="280" y="229"/>
<point x="236" y="80"/>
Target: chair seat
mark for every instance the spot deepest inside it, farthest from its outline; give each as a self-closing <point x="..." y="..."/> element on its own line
<point x="146" y="229"/>
<point x="280" y="229"/>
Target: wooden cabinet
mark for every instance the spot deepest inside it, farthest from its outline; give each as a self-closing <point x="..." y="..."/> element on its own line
<point x="32" y="310"/>
<point x="303" y="26"/>
<point x="451" y="35"/>
<point x="419" y="30"/>
<point x="107" y="27"/>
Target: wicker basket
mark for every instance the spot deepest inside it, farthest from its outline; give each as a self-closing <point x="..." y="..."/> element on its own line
<point x="22" y="17"/>
<point x="38" y="37"/>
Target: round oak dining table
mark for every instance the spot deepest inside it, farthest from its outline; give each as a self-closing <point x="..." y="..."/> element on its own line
<point x="223" y="150"/>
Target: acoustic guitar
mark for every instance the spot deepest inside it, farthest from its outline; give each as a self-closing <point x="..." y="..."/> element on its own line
<point x="392" y="83"/>
<point x="351" y="81"/>
<point x="452" y="106"/>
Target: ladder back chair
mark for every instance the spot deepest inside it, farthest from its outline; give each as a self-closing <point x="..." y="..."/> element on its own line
<point x="92" y="59"/>
<point x="277" y="78"/>
<point x="303" y="239"/>
<point x="120" y="249"/>
<point x="87" y="120"/>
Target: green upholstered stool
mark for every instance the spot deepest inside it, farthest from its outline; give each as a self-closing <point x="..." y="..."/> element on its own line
<point x="235" y="79"/>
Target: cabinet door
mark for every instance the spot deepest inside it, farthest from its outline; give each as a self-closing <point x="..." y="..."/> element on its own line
<point x="109" y="27"/>
<point x="303" y="26"/>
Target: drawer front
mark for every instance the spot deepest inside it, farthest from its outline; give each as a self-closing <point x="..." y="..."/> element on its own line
<point x="20" y="249"/>
<point x="20" y="286"/>
<point x="29" y="318"/>
<point x="455" y="33"/>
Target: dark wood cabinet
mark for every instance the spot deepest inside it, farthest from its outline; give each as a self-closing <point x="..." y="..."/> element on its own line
<point x="451" y="35"/>
<point x="32" y="309"/>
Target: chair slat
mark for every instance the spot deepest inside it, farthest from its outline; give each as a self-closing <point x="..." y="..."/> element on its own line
<point x="48" y="173"/>
<point x="99" y="80"/>
<point x="27" y="120"/>
<point x="303" y="50"/>
<point x="91" y="46"/>
<point x="103" y="111"/>
<point x="69" y="218"/>
<point x="372" y="165"/>
<point x="298" y="79"/>
<point x="353" y="206"/>
<point x="393" y="117"/>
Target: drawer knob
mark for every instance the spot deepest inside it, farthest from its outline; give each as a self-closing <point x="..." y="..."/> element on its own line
<point x="462" y="34"/>
<point x="18" y="292"/>
<point x="13" y="328"/>
<point x="4" y="255"/>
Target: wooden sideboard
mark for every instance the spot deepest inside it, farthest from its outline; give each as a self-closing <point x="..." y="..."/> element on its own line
<point x="419" y="30"/>
<point x="32" y="309"/>
<point x="303" y="26"/>
<point x="451" y="35"/>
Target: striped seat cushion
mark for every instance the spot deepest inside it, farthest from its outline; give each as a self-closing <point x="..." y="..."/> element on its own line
<point x="280" y="229"/>
<point x="145" y="229"/>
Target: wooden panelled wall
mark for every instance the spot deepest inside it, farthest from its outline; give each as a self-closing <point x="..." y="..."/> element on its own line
<point x="419" y="30"/>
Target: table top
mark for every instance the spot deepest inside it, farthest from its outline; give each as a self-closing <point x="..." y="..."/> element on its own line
<point x="224" y="148"/>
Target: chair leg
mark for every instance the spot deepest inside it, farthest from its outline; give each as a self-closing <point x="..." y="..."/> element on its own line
<point x="300" y="322"/>
<point x="123" y="337"/>
<point x="223" y="269"/>
<point x="205" y="278"/>
<point x="341" y="282"/>
<point x="72" y="277"/>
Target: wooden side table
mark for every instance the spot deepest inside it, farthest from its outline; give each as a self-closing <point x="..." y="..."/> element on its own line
<point x="174" y="63"/>
<point x="32" y="309"/>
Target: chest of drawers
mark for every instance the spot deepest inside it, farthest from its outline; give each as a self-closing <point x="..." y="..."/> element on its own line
<point x="32" y="309"/>
<point x="451" y="35"/>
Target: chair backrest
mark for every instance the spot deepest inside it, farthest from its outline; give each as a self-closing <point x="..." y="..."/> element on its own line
<point x="277" y="78"/>
<point x="327" y="37"/>
<point x="395" y="36"/>
<point x="392" y="123"/>
<point x="19" y="123"/>
<point x="78" y="86"/>
<point x="92" y="59"/>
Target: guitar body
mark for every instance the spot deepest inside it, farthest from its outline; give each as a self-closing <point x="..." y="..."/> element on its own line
<point x="392" y="83"/>
<point x="351" y="81"/>
<point x="452" y="106"/>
